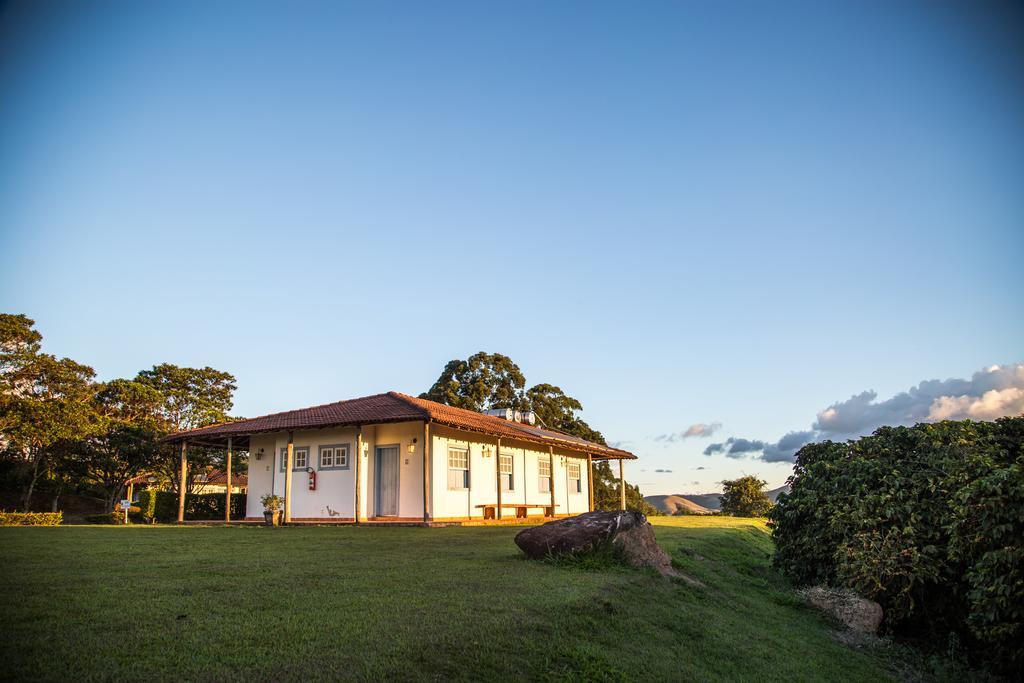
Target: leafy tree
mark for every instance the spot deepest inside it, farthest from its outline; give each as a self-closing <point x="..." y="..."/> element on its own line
<point x="558" y="411"/>
<point x="745" y="497"/>
<point x="481" y="382"/>
<point x="125" y="445"/>
<point x="45" y="402"/>
<point x="191" y="398"/>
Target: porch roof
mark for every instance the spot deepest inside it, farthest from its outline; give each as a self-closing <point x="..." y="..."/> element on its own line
<point x="391" y="407"/>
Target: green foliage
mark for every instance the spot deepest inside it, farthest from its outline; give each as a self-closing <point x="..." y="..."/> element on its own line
<point x="491" y="380"/>
<point x="272" y="503"/>
<point x="31" y="518"/>
<point x="745" y="497"/>
<point x="558" y="411"/>
<point x="150" y="508"/>
<point x="162" y="506"/>
<point x="125" y="442"/>
<point x="211" y="506"/>
<point x="105" y="518"/>
<point x="927" y="520"/>
<point x="191" y="398"/>
<point x="482" y="381"/>
<point x="45" y="402"/>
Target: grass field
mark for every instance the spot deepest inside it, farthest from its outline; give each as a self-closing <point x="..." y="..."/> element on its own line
<point x="168" y="603"/>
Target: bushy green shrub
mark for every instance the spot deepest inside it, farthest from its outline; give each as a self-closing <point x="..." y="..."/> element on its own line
<point x="115" y="517"/>
<point x="105" y="518"/>
<point x="162" y="506"/>
<point x="31" y="518"/>
<point x="147" y="506"/>
<point x="927" y="520"/>
<point x="211" y="506"/>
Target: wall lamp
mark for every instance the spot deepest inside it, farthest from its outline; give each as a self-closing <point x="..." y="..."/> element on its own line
<point x="412" y="446"/>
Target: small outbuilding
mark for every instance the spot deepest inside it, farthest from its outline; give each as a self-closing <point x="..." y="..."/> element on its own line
<point x="396" y="458"/>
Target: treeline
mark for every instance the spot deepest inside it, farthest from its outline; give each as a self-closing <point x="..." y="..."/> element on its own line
<point x="926" y="520"/>
<point x="61" y="431"/>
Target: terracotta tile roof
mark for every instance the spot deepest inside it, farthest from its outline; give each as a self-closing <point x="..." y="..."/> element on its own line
<point x="220" y="477"/>
<point x="396" y="407"/>
<point x="213" y="477"/>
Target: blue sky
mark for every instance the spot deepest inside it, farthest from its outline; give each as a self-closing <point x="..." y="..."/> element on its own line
<point x="678" y="212"/>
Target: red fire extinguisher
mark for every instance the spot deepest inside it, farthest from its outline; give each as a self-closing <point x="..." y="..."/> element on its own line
<point x="312" y="478"/>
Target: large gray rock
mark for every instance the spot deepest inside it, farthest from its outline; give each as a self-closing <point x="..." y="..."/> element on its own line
<point x="856" y="613"/>
<point x="628" y="531"/>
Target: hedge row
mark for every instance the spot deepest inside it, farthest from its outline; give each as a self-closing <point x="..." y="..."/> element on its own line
<point x="31" y="518"/>
<point x="162" y="506"/>
<point x="927" y="520"/>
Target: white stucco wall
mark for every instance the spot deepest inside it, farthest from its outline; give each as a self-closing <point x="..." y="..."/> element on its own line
<point x="459" y="503"/>
<point x="334" y="494"/>
<point x="410" y="467"/>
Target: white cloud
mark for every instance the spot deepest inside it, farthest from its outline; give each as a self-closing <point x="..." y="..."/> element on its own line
<point x="991" y="393"/>
<point x="989" y="406"/>
<point x="699" y="429"/>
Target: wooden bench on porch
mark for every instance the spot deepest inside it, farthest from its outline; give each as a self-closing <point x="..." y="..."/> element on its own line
<point x="521" y="509"/>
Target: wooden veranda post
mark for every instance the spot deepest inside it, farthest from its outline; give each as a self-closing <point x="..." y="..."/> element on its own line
<point x="622" y="486"/>
<point x="426" y="464"/>
<point x="497" y="480"/>
<point x="289" y="463"/>
<point x="590" y="483"/>
<point x="182" y="481"/>
<point x="551" y="476"/>
<point x="227" y="496"/>
<point x="359" y="472"/>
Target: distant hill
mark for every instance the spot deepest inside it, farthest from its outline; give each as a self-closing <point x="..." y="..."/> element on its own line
<point x="703" y="502"/>
<point x="671" y="505"/>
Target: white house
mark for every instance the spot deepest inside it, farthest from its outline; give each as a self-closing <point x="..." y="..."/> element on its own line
<point x="396" y="458"/>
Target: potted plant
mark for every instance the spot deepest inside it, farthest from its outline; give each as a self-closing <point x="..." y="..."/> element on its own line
<point x="271" y="509"/>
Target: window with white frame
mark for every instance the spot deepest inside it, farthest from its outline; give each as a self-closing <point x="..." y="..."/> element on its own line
<point x="458" y="467"/>
<point x="300" y="455"/>
<point x="505" y="462"/>
<point x="334" y="456"/>
<point x="545" y="474"/>
<point x="575" y="485"/>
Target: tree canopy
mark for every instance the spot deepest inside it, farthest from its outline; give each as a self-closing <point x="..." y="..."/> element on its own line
<point x="190" y="398"/>
<point x="44" y="400"/>
<point x="481" y="382"/>
<point x="745" y="497"/>
<point x="491" y="380"/>
<point x="60" y="427"/>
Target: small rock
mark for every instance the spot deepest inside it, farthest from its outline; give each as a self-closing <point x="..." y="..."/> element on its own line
<point x="856" y="613"/>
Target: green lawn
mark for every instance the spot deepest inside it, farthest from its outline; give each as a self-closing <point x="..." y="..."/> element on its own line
<point x="168" y="603"/>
